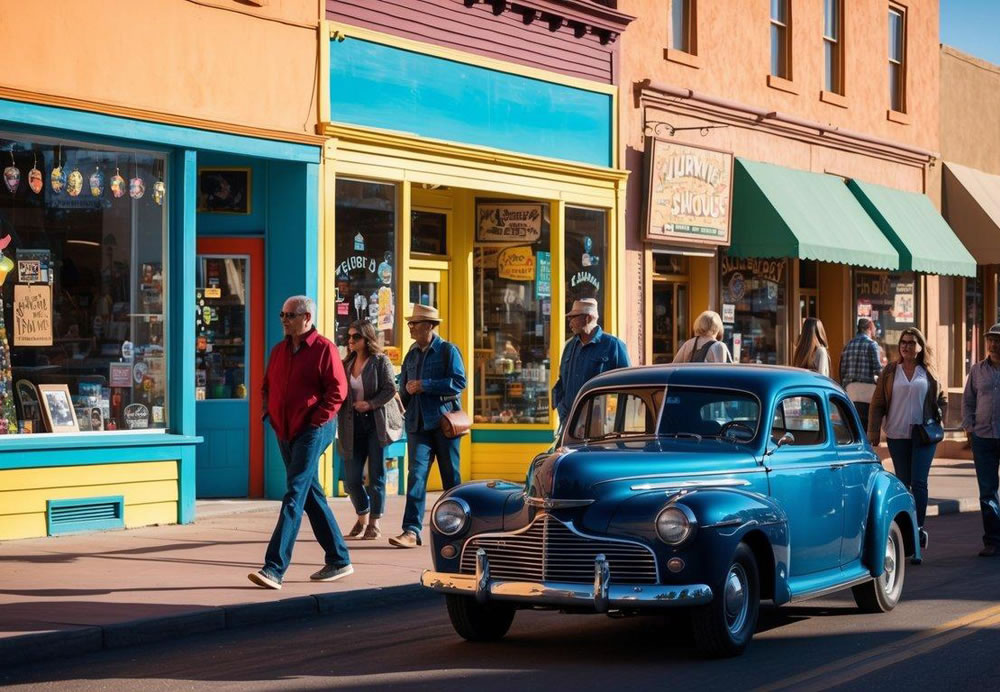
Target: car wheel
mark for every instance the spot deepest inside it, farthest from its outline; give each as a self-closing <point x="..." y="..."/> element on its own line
<point x="725" y="626"/>
<point x="882" y="594"/>
<point x="479" y="622"/>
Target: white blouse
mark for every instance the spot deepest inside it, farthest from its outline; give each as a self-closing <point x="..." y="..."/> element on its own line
<point x="358" y="388"/>
<point x="906" y="408"/>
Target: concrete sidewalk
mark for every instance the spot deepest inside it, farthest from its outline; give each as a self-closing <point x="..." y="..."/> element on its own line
<point x="74" y="594"/>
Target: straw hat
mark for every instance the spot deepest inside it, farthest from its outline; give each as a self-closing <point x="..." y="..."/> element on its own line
<point x="424" y="313"/>
<point x="587" y="306"/>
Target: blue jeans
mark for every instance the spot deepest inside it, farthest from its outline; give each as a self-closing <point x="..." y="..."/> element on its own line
<point x="911" y="462"/>
<point x="423" y="447"/>
<point x="986" y="453"/>
<point x="367" y="449"/>
<point x="301" y="457"/>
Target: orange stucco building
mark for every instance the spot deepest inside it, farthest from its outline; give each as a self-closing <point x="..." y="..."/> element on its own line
<point x="804" y="91"/>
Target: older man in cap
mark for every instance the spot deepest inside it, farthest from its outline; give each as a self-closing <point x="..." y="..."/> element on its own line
<point x="588" y="353"/>
<point x="981" y="420"/>
<point x="430" y="383"/>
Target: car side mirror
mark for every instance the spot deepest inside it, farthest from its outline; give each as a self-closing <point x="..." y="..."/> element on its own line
<point x="786" y="439"/>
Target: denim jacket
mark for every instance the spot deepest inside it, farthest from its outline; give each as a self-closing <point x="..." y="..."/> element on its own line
<point x="581" y="362"/>
<point x="426" y="408"/>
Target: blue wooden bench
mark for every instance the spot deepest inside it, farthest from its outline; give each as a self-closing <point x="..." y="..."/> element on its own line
<point x="397" y="451"/>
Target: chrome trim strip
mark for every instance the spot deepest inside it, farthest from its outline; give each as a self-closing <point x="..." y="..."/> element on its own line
<point x="602" y="575"/>
<point x="482" y="576"/>
<point x="572" y="595"/>
<point x="721" y="483"/>
<point x="730" y="472"/>
<point x="829" y="589"/>
<point x="573" y="529"/>
<point x="549" y="503"/>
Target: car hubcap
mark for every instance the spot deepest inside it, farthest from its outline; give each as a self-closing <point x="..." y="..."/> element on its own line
<point x="736" y="598"/>
<point x="889" y="578"/>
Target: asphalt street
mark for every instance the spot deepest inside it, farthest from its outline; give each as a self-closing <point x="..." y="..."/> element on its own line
<point x="945" y="634"/>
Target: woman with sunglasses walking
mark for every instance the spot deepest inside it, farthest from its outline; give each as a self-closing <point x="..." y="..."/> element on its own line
<point x="907" y="404"/>
<point x="369" y="421"/>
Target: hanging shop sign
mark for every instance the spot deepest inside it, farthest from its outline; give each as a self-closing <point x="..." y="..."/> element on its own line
<point x="543" y="283"/>
<point x="32" y="315"/>
<point x="508" y="222"/>
<point x="517" y="264"/>
<point x="689" y="195"/>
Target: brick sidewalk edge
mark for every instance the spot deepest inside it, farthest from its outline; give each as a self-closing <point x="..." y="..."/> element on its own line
<point x="28" y="648"/>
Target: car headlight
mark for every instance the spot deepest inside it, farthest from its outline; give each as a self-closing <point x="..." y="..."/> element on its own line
<point x="675" y="524"/>
<point x="451" y="516"/>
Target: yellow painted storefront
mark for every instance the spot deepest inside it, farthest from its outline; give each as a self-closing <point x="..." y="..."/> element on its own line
<point x="447" y="178"/>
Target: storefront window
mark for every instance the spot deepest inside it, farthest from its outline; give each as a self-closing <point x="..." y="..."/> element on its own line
<point x="586" y="255"/>
<point x="974" y="318"/>
<point x="83" y="234"/>
<point x="366" y="267"/>
<point x="220" y="343"/>
<point x="513" y="304"/>
<point x="754" y="308"/>
<point x="890" y="300"/>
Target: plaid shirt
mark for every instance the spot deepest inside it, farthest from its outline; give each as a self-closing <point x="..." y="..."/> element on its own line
<point x="860" y="361"/>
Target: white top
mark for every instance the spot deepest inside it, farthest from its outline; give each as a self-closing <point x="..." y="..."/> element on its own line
<point x="821" y="361"/>
<point x="717" y="352"/>
<point x="358" y="387"/>
<point x="906" y="408"/>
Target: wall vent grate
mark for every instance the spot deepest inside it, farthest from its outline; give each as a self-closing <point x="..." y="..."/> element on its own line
<point x="85" y="514"/>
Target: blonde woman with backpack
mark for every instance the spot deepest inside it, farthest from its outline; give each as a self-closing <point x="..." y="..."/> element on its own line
<point x="705" y="346"/>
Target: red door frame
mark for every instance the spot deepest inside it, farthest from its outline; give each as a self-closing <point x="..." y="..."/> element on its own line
<point x="254" y="248"/>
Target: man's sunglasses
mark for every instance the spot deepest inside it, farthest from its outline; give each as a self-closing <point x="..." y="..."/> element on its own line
<point x="289" y="315"/>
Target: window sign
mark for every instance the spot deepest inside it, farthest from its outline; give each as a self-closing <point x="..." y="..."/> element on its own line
<point x="890" y="300"/>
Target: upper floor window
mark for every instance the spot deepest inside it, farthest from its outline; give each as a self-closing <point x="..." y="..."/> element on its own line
<point x="833" y="46"/>
<point x="897" y="58"/>
<point x="681" y="25"/>
<point x="780" y="39"/>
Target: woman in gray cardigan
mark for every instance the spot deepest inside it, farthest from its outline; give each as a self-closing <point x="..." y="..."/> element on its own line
<point x="362" y="426"/>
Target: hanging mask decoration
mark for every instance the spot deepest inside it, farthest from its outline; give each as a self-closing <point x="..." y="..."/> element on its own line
<point x="6" y="265"/>
<point x="35" y="178"/>
<point x="96" y="183"/>
<point x="74" y="183"/>
<point x="136" y="188"/>
<point x="159" y="191"/>
<point x="12" y="174"/>
<point x="57" y="178"/>
<point x="117" y="185"/>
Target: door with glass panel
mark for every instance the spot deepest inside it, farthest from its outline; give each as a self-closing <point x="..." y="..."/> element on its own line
<point x="671" y="323"/>
<point x="229" y="367"/>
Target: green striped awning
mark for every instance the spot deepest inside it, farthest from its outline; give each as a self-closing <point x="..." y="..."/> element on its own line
<point x="920" y="234"/>
<point x="786" y="212"/>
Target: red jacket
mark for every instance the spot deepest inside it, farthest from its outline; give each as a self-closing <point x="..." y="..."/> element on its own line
<point x="303" y="388"/>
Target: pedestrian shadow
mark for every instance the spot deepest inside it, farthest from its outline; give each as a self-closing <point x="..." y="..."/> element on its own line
<point x="127" y="553"/>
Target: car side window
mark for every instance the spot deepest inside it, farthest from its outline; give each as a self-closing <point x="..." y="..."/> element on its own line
<point x="842" y="423"/>
<point x="800" y="416"/>
<point x="613" y="413"/>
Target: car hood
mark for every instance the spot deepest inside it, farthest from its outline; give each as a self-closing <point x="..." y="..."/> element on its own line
<point x="602" y="470"/>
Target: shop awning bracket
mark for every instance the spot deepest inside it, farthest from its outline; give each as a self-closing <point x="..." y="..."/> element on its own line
<point x="657" y="128"/>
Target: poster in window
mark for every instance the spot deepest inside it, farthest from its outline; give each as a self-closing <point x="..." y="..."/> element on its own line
<point x="508" y="222"/>
<point x="32" y="315"/>
<point x="689" y="193"/>
<point x="516" y="264"/>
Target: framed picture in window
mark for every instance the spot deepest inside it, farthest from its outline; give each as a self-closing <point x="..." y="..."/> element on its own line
<point x="57" y="408"/>
<point x="224" y="190"/>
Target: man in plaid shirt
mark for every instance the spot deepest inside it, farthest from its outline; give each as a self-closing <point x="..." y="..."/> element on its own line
<point x="860" y="365"/>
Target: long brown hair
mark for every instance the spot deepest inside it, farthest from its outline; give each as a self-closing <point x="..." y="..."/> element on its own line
<point x="812" y="337"/>
<point x="926" y="356"/>
<point x="367" y="331"/>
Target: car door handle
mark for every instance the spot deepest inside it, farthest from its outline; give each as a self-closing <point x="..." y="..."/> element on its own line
<point x="838" y="465"/>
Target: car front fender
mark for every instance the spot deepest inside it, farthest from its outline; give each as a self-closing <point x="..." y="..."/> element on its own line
<point x="889" y="499"/>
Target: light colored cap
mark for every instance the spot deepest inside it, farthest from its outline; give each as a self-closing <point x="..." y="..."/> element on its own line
<point x="587" y="306"/>
<point x="424" y="313"/>
<point x="994" y="330"/>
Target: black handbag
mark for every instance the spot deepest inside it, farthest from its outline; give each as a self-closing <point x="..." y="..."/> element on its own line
<point x="930" y="432"/>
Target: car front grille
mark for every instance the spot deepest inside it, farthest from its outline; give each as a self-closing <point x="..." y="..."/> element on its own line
<point x="549" y="551"/>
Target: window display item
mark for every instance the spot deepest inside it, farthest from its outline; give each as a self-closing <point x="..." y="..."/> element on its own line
<point x="57" y="408"/>
<point x="159" y="191"/>
<point x="117" y="185"/>
<point x="58" y="178"/>
<point x="74" y="183"/>
<point x="136" y="188"/>
<point x="96" y="183"/>
<point x="35" y="177"/>
<point x="12" y="174"/>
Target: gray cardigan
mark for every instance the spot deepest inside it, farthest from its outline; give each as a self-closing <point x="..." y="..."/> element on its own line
<point x="378" y="368"/>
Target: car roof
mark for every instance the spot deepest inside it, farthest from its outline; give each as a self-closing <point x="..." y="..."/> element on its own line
<point x="763" y="380"/>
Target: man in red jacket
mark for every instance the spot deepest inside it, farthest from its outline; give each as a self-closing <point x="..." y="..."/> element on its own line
<point x="303" y="388"/>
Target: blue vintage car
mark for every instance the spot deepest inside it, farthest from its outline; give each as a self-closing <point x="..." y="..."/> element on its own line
<point x="705" y="487"/>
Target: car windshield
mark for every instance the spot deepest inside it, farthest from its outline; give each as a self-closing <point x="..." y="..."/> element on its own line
<point x="702" y="412"/>
<point x="607" y="414"/>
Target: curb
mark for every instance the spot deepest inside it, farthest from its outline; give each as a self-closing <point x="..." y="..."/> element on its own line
<point x="942" y="507"/>
<point x="28" y="648"/>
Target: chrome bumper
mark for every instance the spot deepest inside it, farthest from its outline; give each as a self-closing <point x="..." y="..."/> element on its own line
<point x="602" y="596"/>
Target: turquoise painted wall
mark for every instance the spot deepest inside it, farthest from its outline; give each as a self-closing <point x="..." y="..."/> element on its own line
<point x="375" y="85"/>
<point x="237" y="224"/>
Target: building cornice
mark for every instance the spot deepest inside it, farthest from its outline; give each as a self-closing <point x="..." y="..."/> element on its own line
<point x="580" y="16"/>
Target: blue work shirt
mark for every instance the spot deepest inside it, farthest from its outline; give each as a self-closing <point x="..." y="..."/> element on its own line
<point x="441" y="374"/>
<point x="981" y="400"/>
<point x="580" y="362"/>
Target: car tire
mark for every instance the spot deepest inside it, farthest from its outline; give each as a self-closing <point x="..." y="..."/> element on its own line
<point x="882" y="594"/>
<point x="725" y="626"/>
<point x="479" y="622"/>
